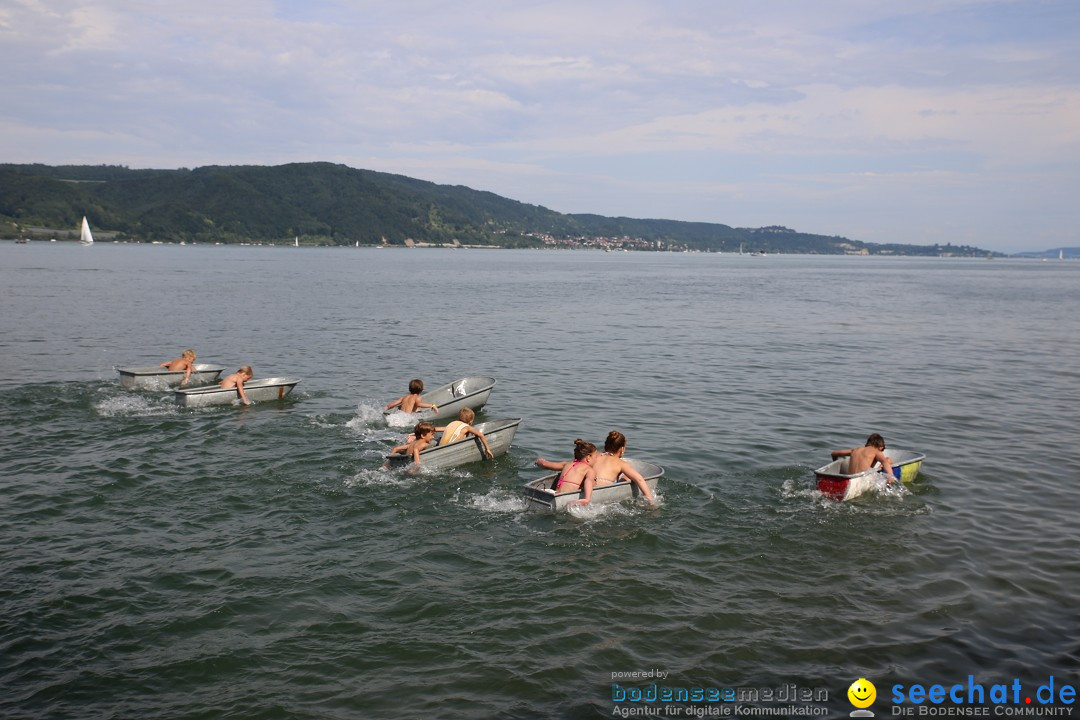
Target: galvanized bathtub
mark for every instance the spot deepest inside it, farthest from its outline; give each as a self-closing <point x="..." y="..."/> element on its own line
<point x="499" y="434"/>
<point x="266" y="389"/>
<point x="540" y="496"/>
<point x="158" y="378"/>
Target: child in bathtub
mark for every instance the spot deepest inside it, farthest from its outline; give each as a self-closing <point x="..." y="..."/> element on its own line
<point x="423" y="435"/>
<point x="863" y="458"/>
<point x="411" y="403"/>
<point x="185" y="362"/>
<point x="461" y="428"/>
<point x="237" y="380"/>
<point x="575" y="475"/>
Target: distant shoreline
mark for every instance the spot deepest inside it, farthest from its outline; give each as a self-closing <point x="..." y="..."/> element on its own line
<point x="108" y="237"/>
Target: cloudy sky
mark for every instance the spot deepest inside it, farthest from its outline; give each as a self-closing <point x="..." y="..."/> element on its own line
<point x="919" y="121"/>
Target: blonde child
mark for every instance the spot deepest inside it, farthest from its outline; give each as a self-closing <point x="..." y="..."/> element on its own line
<point x="461" y="428"/>
<point x="185" y="362"/>
<point x="411" y="403"/>
<point x="237" y="380"/>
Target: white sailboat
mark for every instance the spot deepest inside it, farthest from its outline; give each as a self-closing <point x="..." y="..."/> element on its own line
<point x="86" y="238"/>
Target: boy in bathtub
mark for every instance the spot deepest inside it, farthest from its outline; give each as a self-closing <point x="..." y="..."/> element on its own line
<point x="237" y="380"/>
<point x="411" y="403"/>
<point x="423" y="435"/>
<point x="461" y="428"/>
<point x="185" y="362"/>
<point x="863" y="458"/>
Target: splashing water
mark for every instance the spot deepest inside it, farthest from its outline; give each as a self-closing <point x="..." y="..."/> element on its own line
<point x="380" y="477"/>
<point x="497" y="500"/>
<point x="370" y="425"/>
<point x="134" y="406"/>
<point x="402" y="420"/>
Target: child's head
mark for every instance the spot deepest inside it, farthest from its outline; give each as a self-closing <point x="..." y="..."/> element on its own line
<point x="423" y="429"/>
<point x="583" y="449"/>
<point x="189" y="353"/>
<point x="416" y="386"/>
<point x="246" y="370"/>
<point x="466" y="415"/>
<point x="875" y="440"/>
<point x="615" y="442"/>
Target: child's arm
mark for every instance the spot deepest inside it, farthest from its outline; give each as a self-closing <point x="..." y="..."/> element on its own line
<point x="395" y="403"/>
<point x="187" y="373"/>
<point x="416" y="448"/>
<point x="548" y="465"/>
<point x="886" y="464"/>
<point x="586" y="486"/>
<point x="470" y="430"/>
<point x="420" y="404"/>
<point x="638" y="479"/>
<point x="240" y="391"/>
<point x="836" y="454"/>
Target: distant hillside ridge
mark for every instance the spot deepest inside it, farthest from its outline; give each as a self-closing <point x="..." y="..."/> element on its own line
<point x="332" y="204"/>
<point x="1066" y="253"/>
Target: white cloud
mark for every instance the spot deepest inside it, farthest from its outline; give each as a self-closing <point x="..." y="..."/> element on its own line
<point x="739" y="112"/>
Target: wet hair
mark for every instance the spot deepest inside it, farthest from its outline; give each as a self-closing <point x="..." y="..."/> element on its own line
<point x="423" y="428"/>
<point x="416" y="386"/>
<point x="615" y="440"/>
<point x="876" y="440"/>
<point x="466" y="415"/>
<point x="187" y="352"/>
<point x="246" y="369"/>
<point x="583" y="449"/>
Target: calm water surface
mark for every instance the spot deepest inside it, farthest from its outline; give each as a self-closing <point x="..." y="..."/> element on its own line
<point x="256" y="562"/>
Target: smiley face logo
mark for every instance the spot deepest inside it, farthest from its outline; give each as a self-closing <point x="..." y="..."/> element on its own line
<point x="862" y="693"/>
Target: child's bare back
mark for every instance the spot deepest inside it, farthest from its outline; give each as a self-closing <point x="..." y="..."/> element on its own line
<point x="180" y="363"/>
<point x="412" y="402"/>
<point x="185" y="362"/>
<point x="861" y="459"/>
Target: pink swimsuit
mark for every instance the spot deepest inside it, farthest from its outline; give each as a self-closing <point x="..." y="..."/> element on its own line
<point x="565" y="472"/>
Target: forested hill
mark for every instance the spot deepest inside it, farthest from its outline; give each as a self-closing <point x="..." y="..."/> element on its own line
<point x="326" y="203"/>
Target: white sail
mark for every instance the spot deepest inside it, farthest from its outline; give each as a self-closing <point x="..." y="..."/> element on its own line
<point x="87" y="238"/>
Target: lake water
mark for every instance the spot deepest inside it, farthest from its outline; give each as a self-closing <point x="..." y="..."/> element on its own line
<point x="257" y="563"/>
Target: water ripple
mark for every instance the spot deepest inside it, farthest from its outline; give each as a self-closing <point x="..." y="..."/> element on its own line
<point x="258" y="562"/>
